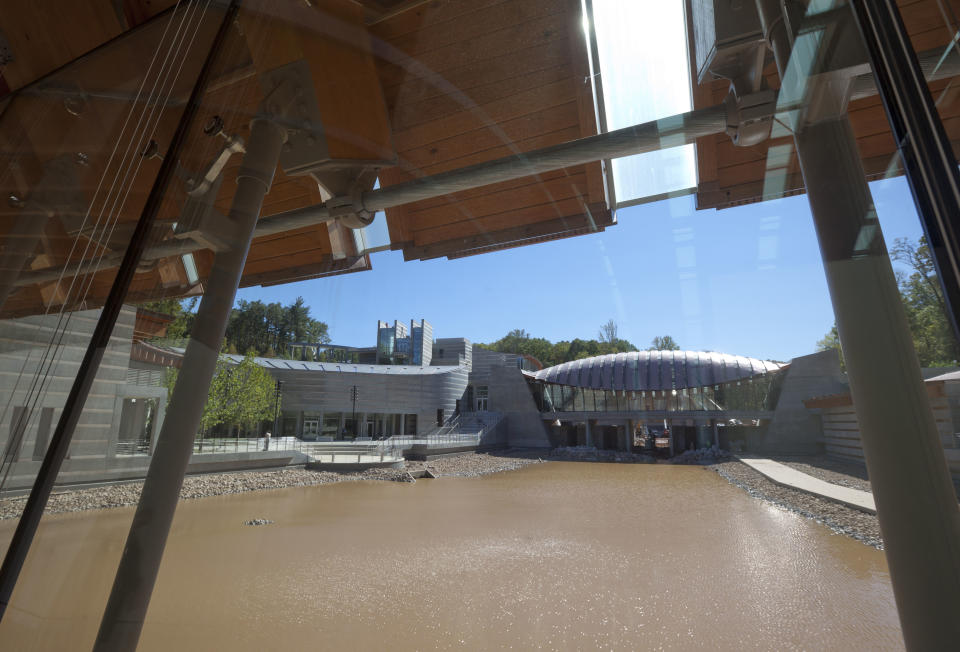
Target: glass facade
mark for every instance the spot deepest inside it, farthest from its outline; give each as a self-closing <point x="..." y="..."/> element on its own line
<point x="756" y="394"/>
<point x="397" y="345"/>
<point x="150" y="157"/>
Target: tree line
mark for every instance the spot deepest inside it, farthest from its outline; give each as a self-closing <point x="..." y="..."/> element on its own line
<point x="923" y="301"/>
<point x="553" y="353"/>
<point x="264" y="329"/>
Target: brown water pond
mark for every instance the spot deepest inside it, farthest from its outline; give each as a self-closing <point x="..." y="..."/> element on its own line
<point x="554" y="556"/>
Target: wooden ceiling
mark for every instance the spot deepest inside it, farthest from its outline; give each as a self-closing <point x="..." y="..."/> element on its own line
<point x="729" y="175"/>
<point x="405" y="87"/>
<point x="467" y="82"/>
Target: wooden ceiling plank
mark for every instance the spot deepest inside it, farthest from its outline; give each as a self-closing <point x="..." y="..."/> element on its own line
<point x="535" y="193"/>
<point x="505" y="39"/>
<point x="491" y="115"/>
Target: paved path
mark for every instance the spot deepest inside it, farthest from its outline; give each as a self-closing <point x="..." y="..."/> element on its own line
<point x="787" y="476"/>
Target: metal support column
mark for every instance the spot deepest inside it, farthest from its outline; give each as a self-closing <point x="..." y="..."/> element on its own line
<point x="133" y="585"/>
<point x="928" y="160"/>
<point x="97" y="346"/>
<point x="916" y="505"/>
<point x="589" y="434"/>
<point x="716" y="433"/>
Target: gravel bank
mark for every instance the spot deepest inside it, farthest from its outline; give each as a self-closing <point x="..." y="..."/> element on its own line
<point x="591" y="454"/>
<point x="219" y="484"/>
<point x="839" y="518"/>
<point x="470" y="466"/>
<point x="845" y="474"/>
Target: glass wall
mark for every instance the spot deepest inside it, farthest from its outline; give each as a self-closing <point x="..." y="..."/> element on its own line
<point x="749" y="220"/>
<point x="757" y="394"/>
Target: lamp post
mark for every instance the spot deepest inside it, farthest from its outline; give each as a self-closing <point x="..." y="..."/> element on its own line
<point x="276" y="411"/>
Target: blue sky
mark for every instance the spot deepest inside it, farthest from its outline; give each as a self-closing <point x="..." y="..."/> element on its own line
<point x="745" y="280"/>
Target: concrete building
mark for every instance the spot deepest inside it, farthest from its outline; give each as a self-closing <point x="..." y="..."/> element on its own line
<point x="445" y="380"/>
<point x="619" y="401"/>
<point x="121" y="416"/>
<point x="397" y="345"/>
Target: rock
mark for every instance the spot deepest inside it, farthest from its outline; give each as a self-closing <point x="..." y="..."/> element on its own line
<point x="258" y="521"/>
<point x="591" y="454"/>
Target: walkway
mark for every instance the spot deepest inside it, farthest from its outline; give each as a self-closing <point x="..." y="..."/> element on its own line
<point x="786" y="476"/>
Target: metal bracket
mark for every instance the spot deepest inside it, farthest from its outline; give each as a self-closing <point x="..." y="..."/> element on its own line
<point x="233" y="146"/>
<point x="204" y="224"/>
<point x="750" y="117"/>
<point x="290" y="102"/>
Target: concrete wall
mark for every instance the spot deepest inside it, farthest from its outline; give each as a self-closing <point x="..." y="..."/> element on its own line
<point x="23" y="345"/>
<point x="420" y="393"/>
<point x="510" y="396"/>
<point x="841" y="432"/>
<point x="452" y="351"/>
<point x="794" y="428"/>
<point x="484" y="361"/>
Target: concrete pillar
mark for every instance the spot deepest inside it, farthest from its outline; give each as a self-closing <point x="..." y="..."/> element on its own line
<point x="403" y="424"/>
<point x="299" y="429"/>
<point x="137" y="573"/>
<point x="672" y="450"/>
<point x="628" y="436"/>
<point x="716" y="433"/>
<point x="589" y="440"/>
<point x="916" y="503"/>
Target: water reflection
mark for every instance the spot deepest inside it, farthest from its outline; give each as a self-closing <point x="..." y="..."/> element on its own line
<point x="557" y="556"/>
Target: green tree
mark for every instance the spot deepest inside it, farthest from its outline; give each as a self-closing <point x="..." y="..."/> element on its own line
<point x="214" y="410"/>
<point x="240" y="394"/>
<point x="182" y="311"/>
<point x="270" y="329"/>
<point x="663" y="343"/>
<point x="923" y="303"/>
<point x="520" y="341"/>
<point x="250" y="392"/>
<point x="830" y="341"/>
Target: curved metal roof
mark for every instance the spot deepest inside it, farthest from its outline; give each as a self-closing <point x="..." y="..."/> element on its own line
<point x="655" y="370"/>
<point x="282" y="364"/>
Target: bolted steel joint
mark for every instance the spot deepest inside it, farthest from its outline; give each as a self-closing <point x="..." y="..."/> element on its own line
<point x="750" y="116"/>
<point x="349" y="211"/>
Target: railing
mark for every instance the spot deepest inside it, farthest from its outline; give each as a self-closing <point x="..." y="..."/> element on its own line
<point x="382" y="450"/>
<point x="463" y="430"/>
<point x="125" y="448"/>
<point x="472" y="429"/>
